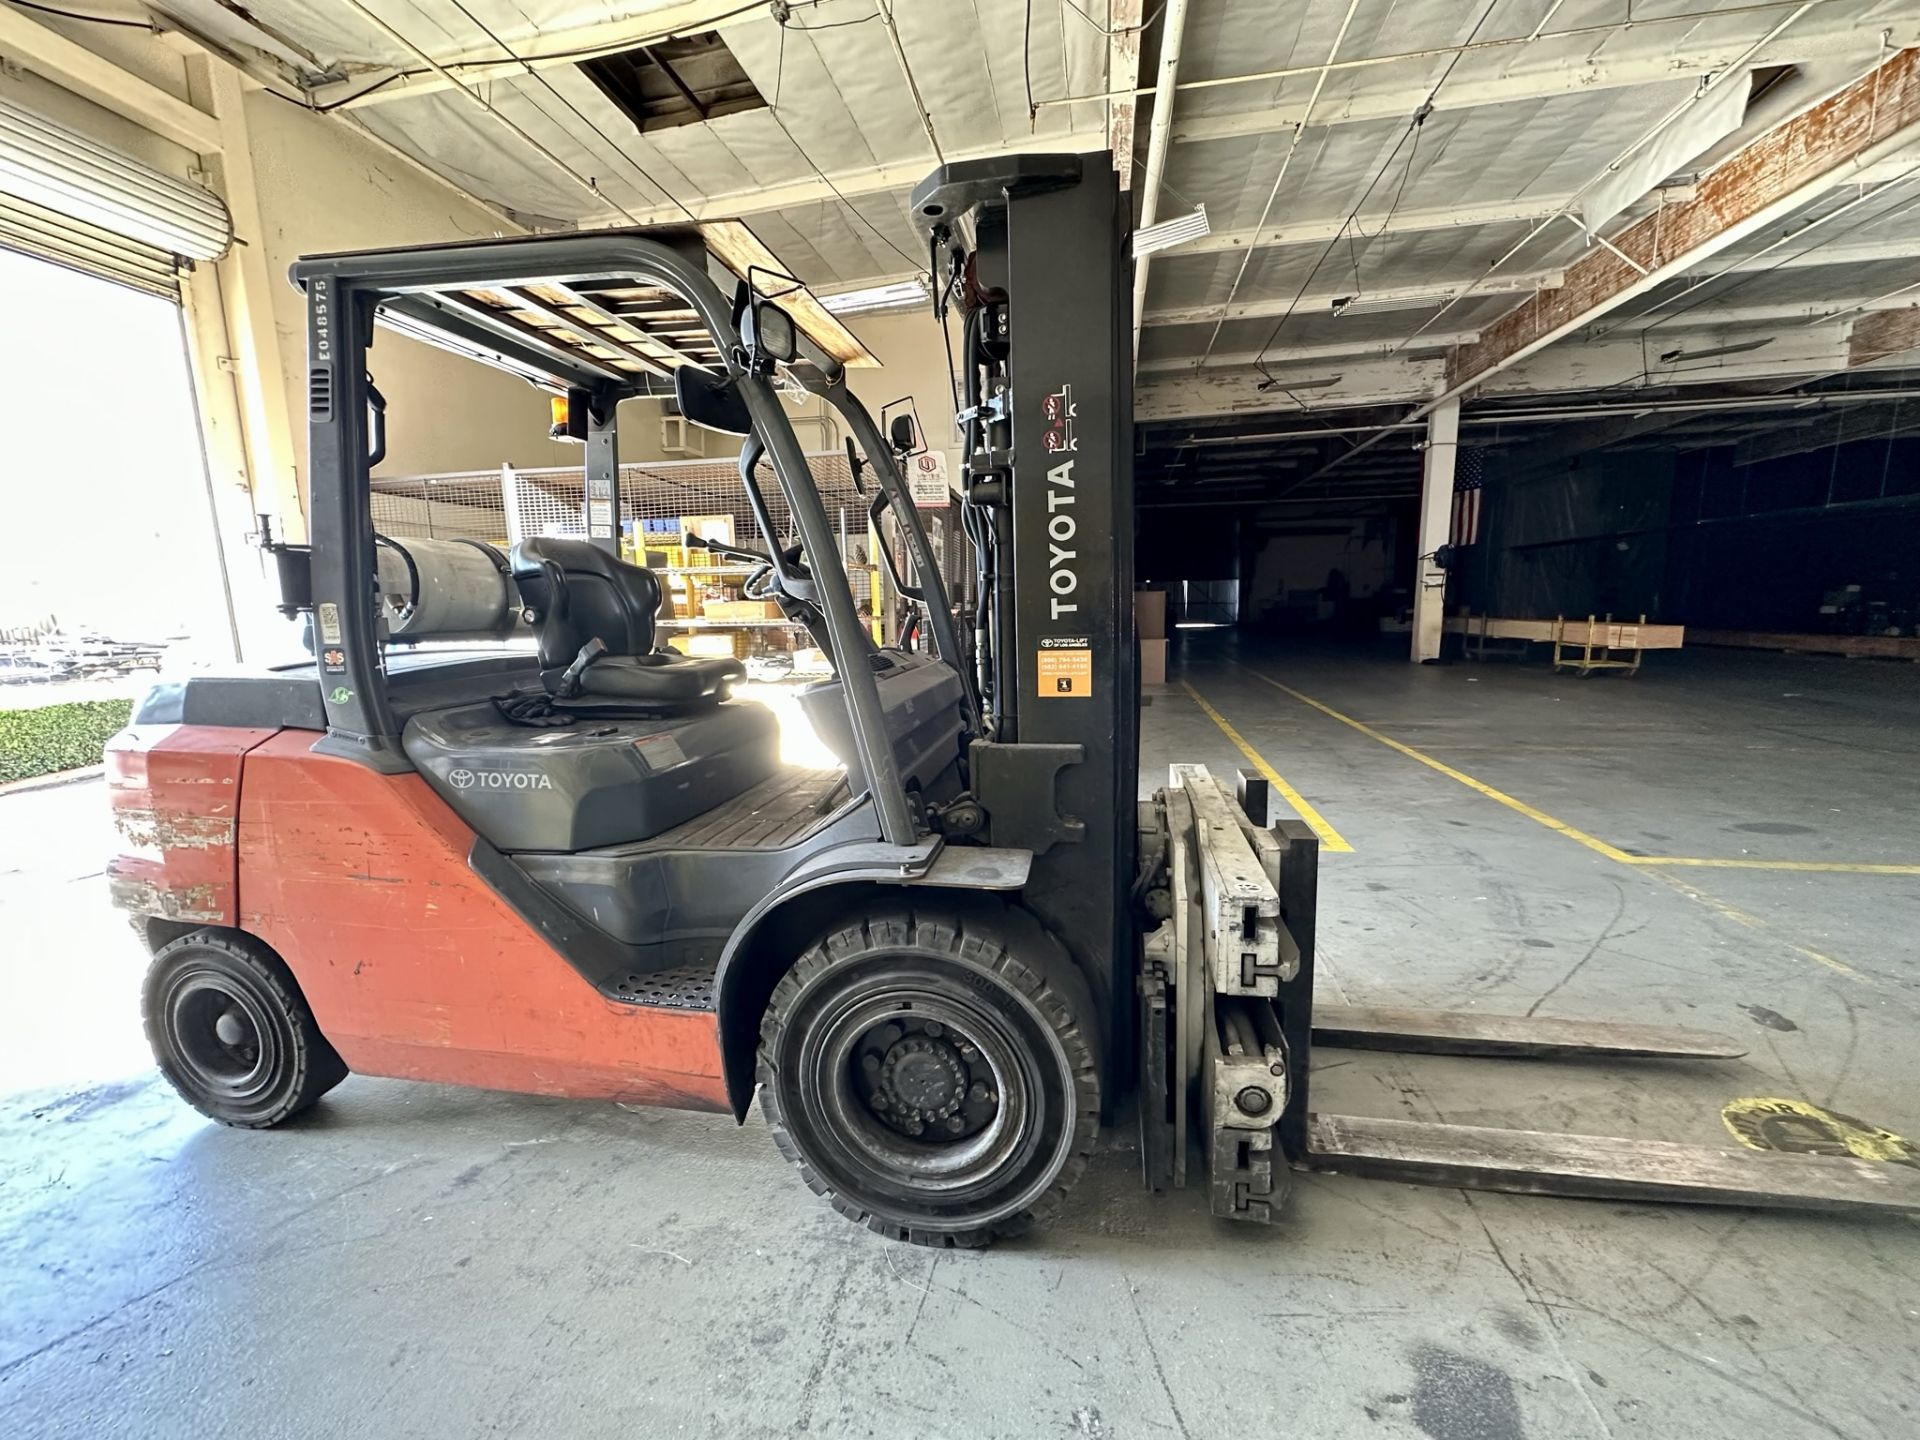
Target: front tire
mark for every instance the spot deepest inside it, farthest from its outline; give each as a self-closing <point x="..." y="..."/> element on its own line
<point x="232" y="1033"/>
<point x="933" y="1074"/>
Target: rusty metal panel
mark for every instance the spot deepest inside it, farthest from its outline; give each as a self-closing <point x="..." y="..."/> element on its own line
<point x="174" y="791"/>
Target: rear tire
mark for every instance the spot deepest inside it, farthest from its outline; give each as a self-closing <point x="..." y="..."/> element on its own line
<point x="232" y="1033"/>
<point x="933" y="1073"/>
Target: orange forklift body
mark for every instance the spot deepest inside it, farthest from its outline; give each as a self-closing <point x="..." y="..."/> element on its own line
<point x="412" y="966"/>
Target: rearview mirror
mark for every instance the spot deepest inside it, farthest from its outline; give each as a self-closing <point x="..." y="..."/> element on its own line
<point x="900" y="433"/>
<point x="712" y="401"/>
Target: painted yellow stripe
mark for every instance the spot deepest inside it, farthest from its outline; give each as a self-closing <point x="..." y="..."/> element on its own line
<point x="1753" y="922"/>
<point x="1330" y="838"/>
<point x="1540" y="817"/>
<point x="1818" y="867"/>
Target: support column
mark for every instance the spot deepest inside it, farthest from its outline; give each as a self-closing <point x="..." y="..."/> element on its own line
<point x="245" y="290"/>
<point x="1436" y="518"/>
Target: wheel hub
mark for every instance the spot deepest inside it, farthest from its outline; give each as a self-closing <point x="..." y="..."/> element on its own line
<point x="926" y="1080"/>
<point x="925" y="1077"/>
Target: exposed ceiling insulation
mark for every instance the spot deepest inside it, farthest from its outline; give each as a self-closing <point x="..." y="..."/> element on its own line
<point x="1385" y="179"/>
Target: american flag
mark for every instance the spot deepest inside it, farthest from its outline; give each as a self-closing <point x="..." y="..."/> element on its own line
<point x="1466" y="497"/>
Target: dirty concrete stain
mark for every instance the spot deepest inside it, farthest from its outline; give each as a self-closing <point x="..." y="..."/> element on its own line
<point x="1773" y="827"/>
<point x="1087" y="1421"/>
<point x="1772" y="1019"/>
<point x="1457" y="1397"/>
<point x="1538" y="944"/>
<point x="1517" y="1328"/>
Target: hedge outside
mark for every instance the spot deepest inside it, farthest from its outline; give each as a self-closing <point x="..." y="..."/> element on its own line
<point x="66" y="736"/>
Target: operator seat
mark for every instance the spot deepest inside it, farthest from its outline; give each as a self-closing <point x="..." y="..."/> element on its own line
<point x="576" y="593"/>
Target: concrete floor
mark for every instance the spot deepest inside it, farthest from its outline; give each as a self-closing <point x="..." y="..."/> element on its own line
<point x="419" y="1261"/>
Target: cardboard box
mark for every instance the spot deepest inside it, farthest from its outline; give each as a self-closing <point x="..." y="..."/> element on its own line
<point x="1153" y="662"/>
<point x="1150" y="614"/>
<point x="740" y="610"/>
<point x="709" y="647"/>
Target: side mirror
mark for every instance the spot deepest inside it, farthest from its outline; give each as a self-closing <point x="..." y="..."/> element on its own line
<point x="900" y="433"/>
<point x="711" y="401"/>
<point x="769" y="334"/>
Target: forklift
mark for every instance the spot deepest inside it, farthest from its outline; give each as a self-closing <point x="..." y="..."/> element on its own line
<point x="493" y="833"/>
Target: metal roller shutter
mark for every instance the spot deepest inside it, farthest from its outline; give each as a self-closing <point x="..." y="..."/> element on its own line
<point x="67" y="198"/>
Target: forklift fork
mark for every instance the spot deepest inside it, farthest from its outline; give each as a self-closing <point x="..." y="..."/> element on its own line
<point x="1228" y="1025"/>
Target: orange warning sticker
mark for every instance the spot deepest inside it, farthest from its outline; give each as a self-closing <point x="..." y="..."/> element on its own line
<point x="1065" y="672"/>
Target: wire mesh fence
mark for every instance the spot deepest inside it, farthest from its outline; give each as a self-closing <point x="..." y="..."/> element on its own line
<point x="660" y="502"/>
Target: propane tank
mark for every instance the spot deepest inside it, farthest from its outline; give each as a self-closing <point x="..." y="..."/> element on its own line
<point x="445" y="587"/>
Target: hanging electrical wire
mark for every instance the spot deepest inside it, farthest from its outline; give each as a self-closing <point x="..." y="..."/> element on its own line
<point x="1415" y="123"/>
<point x="1732" y="73"/>
<point x="824" y="178"/>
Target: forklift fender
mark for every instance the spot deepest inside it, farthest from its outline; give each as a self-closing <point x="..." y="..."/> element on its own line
<point x="772" y="935"/>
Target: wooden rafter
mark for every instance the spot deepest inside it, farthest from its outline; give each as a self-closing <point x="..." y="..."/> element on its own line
<point x="1777" y="173"/>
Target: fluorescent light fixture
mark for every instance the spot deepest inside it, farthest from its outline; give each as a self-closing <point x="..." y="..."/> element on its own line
<point x="1742" y="348"/>
<point x="1391" y="300"/>
<point x="1269" y="383"/>
<point x="894" y="295"/>
<point x="1151" y="239"/>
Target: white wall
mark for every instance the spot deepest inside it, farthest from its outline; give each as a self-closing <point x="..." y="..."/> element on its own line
<point x="323" y="187"/>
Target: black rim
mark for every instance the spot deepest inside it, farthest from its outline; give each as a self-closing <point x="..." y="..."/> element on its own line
<point x="929" y="1096"/>
<point x="225" y="1038"/>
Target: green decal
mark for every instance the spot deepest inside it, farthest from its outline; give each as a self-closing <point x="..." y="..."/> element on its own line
<point x="341" y="695"/>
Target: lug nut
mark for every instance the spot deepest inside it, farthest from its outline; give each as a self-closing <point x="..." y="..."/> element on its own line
<point x="870" y="1061"/>
<point x="935" y="1029"/>
<point x="956" y="1124"/>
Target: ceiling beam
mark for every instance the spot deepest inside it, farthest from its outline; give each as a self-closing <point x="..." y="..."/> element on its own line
<point x="1236" y="392"/>
<point x="567" y="45"/>
<point x="1433" y="292"/>
<point x="1320" y="230"/>
<point x="1759" y="185"/>
<point x="72" y="66"/>
<point x="1650" y="63"/>
<point x="1123" y="79"/>
<point x="1619" y="362"/>
<point x="892" y="179"/>
<point x="1288" y="355"/>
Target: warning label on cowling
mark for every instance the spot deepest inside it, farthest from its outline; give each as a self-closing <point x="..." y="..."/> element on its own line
<point x="1066" y="666"/>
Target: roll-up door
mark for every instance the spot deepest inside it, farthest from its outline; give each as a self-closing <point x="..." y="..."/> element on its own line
<point x="67" y="198"/>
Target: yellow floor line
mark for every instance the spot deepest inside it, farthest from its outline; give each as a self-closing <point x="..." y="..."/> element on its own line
<point x="1593" y="843"/>
<point x="1754" y="922"/>
<point x="1330" y="838"/>
<point x="1819" y="867"/>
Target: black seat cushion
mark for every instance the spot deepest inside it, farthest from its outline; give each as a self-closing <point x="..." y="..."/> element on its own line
<point x="579" y="593"/>
<point x="661" y="679"/>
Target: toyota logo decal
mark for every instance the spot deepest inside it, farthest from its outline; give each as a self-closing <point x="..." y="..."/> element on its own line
<point x="462" y="779"/>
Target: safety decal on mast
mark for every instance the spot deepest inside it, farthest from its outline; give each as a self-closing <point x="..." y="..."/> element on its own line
<point x="1066" y="666"/>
